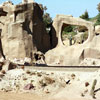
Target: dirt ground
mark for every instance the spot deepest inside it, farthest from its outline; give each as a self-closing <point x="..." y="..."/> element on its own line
<point x="19" y="96"/>
<point x="59" y="90"/>
<point x="28" y="96"/>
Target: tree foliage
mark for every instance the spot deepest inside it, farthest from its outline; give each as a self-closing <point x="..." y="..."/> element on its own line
<point x="98" y="7"/>
<point x="85" y="15"/>
<point x="47" y="19"/>
<point x="46" y="16"/>
<point x="98" y="20"/>
<point x="68" y="29"/>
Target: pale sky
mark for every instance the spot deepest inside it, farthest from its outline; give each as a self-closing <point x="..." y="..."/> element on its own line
<point x="67" y="7"/>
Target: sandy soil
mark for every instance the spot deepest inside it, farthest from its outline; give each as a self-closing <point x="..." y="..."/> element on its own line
<point x="58" y="90"/>
<point x="19" y="96"/>
<point x="29" y="96"/>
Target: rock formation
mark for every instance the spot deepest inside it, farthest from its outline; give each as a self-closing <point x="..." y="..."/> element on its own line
<point x="71" y="55"/>
<point x="62" y="21"/>
<point x="23" y="33"/>
<point x="97" y="29"/>
<point x="22" y="30"/>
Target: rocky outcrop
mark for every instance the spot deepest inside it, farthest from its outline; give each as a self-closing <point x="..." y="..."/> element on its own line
<point x="62" y="21"/>
<point x="71" y="55"/>
<point x="23" y="30"/>
<point x="23" y="34"/>
<point x="74" y="55"/>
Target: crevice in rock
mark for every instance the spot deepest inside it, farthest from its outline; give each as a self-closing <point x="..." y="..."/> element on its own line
<point x="1" y="49"/>
<point x="3" y="13"/>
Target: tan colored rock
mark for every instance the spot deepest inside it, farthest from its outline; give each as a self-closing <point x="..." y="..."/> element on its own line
<point x="91" y="53"/>
<point x="62" y="21"/>
<point x="97" y="29"/>
<point x="23" y="30"/>
<point x="8" y="65"/>
<point x="27" y="1"/>
<point x="70" y="55"/>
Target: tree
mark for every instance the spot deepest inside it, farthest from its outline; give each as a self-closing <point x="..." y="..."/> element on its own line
<point x="44" y="8"/>
<point x="98" y="7"/>
<point x="98" y="16"/>
<point x="98" y="20"/>
<point x="85" y="15"/>
<point x="46" y="17"/>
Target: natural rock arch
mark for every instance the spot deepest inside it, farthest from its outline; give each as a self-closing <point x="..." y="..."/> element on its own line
<point x="60" y="20"/>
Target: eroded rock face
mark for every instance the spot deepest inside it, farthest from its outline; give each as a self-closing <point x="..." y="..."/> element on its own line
<point x="61" y="21"/>
<point x="23" y="30"/>
<point x="97" y="29"/>
<point x="71" y="55"/>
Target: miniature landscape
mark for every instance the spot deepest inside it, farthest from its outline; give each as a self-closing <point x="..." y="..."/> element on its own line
<point x="45" y="59"/>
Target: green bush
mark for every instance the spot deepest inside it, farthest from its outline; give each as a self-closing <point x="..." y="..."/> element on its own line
<point x="68" y="29"/>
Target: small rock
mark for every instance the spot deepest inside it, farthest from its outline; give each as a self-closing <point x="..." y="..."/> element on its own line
<point x="22" y="67"/>
<point x="27" y="64"/>
<point x="47" y="91"/>
<point x="3" y="72"/>
<point x="86" y="84"/>
<point x="86" y="91"/>
<point x="73" y="76"/>
<point x="82" y="95"/>
<point x="29" y="87"/>
<point x="8" y="65"/>
<point x="2" y="75"/>
<point x="28" y="72"/>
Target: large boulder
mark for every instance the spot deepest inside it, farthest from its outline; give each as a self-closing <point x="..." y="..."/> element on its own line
<point x="23" y="30"/>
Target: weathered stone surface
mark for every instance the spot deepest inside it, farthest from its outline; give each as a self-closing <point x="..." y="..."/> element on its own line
<point x="23" y="33"/>
<point x="8" y="65"/>
<point x="74" y="55"/>
<point x="39" y="58"/>
<point x="97" y="29"/>
<point x="62" y="21"/>
<point x="91" y="53"/>
<point x="29" y="87"/>
<point x="70" y="55"/>
<point x="27" y="1"/>
<point x="23" y="30"/>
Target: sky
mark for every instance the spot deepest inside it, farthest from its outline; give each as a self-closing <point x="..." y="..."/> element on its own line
<point x="67" y="7"/>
